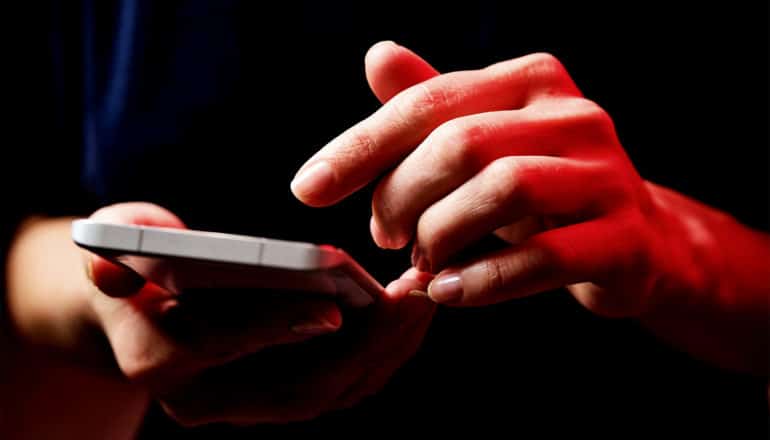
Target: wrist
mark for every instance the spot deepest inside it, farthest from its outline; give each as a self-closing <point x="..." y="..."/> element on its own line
<point x="56" y="345"/>
<point x="47" y="292"/>
<point x="710" y="297"/>
<point x="689" y="260"/>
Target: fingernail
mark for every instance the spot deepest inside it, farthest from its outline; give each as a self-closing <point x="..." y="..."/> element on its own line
<point x="385" y="240"/>
<point x="420" y="293"/>
<point x="314" y="328"/>
<point x="446" y="289"/>
<point x="386" y="43"/>
<point x="313" y="179"/>
<point x="380" y="238"/>
<point x="418" y="260"/>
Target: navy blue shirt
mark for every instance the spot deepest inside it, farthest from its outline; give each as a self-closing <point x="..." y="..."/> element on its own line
<point x="208" y="108"/>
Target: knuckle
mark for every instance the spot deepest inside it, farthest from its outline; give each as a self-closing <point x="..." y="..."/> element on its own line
<point x="578" y="119"/>
<point x="152" y="363"/>
<point x="460" y="141"/>
<point x="593" y="112"/>
<point x="532" y="264"/>
<point x="545" y="71"/>
<point x="421" y="101"/>
<point x="152" y="374"/>
<point x="592" y="119"/>
<point x="502" y="171"/>
<point x="360" y="146"/>
<point x="539" y="74"/>
<point x="142" y="366"/>
<point x="544" y="262"/>
<point x="451" y="132"/>
<point x="505" y="184"/>
<point x="544" y="63"/>
<point x="496" y="275"/>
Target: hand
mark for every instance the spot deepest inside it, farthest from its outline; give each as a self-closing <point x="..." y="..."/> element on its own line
<point x="300" y="382"/>
<point x="200" y="353"/>
<point x="512" y="150"/>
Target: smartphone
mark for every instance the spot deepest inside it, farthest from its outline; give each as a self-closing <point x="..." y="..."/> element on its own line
<point x="179" y="259"/>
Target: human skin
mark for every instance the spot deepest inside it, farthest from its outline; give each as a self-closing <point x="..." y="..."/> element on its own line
<point x="622" y="246"/>
<point x="92" y="323"/>
<point x="515" y="150"/>
<point x="199" y="355"/>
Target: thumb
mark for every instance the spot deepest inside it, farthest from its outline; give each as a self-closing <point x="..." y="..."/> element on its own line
<point x="391" y="68"/>
<point x="113" y="278"/>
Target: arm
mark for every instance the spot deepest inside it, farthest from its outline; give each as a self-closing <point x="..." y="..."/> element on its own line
<point x="720" y="312"/>
<point x="516" y="151"/>
<point x="91" y="340"/>
<point x="59" y="381"/>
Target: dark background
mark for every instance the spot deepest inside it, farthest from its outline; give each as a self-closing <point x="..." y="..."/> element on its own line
<point x="685" y="84"/>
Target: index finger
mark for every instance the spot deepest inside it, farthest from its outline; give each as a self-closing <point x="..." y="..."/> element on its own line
<point x="367" y="149"/>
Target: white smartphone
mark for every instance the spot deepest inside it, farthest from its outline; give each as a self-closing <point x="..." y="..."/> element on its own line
<point x="179" y="259"/>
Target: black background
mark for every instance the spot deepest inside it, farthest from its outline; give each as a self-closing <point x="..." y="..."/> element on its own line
<point x="685" y="84"/>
